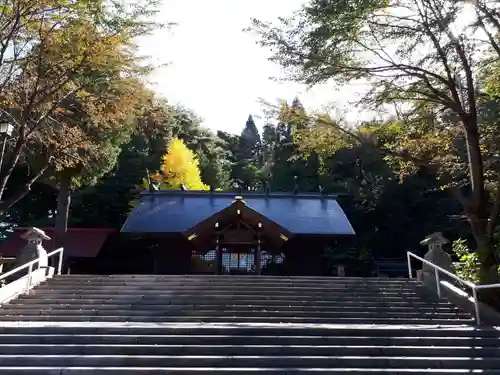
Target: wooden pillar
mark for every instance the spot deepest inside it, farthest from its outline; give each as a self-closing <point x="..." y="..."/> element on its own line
<point x="218" y="256"/>
<point x="258" y="268"/>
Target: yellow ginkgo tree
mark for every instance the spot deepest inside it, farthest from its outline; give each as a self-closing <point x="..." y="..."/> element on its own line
<point x="180" y="167"/>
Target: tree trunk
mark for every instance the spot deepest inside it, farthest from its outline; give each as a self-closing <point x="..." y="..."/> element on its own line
<point x="63" y="204"/>
<point x="476" y="170"/>
<point x="488" y="270"/>
<point x="478" y="210"/>
<point x="488" y="273"/>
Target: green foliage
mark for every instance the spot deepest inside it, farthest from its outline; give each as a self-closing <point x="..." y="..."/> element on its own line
<point x="354" y="257"/>
<point x="421" y="65"/>
<point x="250" y="143"/>
<point x="468" y="264"/>
<point x="210" y="149"/>
<point x="246" y="154"/>
<point x="73" y="66"/>
<point x="469" y="260"/>
<point x="391" y="170"/>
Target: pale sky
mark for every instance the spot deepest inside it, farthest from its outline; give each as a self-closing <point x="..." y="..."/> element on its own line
<point x="218" y="71"/>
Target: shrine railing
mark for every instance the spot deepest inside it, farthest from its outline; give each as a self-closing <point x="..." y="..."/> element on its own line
<point x="438" y="270"/>
<point x="25" y="283"/>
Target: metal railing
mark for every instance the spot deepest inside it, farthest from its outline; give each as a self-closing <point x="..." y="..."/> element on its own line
<point x="30" y="265"/>
<point x="438" y="269"/>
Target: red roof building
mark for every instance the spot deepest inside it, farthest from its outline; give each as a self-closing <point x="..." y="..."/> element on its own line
<point x="81" y="242"/>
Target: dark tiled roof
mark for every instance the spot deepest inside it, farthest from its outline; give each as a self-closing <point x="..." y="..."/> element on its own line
<point x="176" y="211"/>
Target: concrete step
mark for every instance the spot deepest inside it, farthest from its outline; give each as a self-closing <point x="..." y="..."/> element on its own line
<point x="410" y="313"/>
<point x="225" y="280"/>
<point x="249" y="350"/>
<point x="229" y="296"/>
<point x="277" y="283"/>
<point x="254" y="313"/>
<point x="222" y="304"/>
<point x="229" y="290"/>
<point x="229" y="284"/>
<point x="235" y="300"/>
<point x="281" y="330"/>
<point x="46" y="370"/>
<point x="350" y="319"/>
<point x="220" y="339"/>
<point x="326" y="282"/>
<point x="84" y="293"/>
<point x="225" y="301"/>
<point x="230" y="277"/>
<point x="193" y="361"/>
<point x="158" y="324"/>
<point x="248" y="307"/>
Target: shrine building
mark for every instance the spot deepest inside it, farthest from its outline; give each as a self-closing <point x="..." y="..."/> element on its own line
<point x="222" y="232"/>
<point x="190" y="232"/>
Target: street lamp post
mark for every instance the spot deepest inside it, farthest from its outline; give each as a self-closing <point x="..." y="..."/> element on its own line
<point x="6" y="130"/>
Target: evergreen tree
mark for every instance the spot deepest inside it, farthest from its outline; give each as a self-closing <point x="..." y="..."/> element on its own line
<point x="250" y="142"/>
<point x="288" y="162"/>
<point x="297" y="115"/>
<point x="269" y="145"/>
<point x="296" y="103"/>
<point x="246" y="154"/>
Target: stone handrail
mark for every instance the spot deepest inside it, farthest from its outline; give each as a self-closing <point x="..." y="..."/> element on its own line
<point x="438" y="270"/>
<point x="25" y="283"/>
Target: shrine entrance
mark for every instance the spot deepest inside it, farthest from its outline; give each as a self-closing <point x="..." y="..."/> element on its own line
<point x="233" y="249"/>
<point x="237" y="263"/>
<point x="236" y="241"/>
<point x="234" y="262"/>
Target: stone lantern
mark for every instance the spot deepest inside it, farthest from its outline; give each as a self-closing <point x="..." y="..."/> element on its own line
<point x="34" y="248"/>
<point x="437" y="256"/>
<point x="23" y="280"/>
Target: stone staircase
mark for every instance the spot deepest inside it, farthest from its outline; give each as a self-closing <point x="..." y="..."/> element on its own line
<point x="150" y="324"/>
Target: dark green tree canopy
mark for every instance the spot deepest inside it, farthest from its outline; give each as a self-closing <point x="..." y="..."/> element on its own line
<point x="250" y="142"/>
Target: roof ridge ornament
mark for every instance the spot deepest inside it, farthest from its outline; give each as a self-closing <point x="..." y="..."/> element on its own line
<point x="267" y="187"/>
<point x="152" y="186"/>
<point x="296" y="186"/>
<point x="239" y="198"/>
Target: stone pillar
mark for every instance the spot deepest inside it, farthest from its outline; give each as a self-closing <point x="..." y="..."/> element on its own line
<point x="341" y="270"/>
<point x="437" y="256"/>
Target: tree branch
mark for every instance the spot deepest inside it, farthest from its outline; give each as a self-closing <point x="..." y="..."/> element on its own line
<point x="21" y="193"/>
